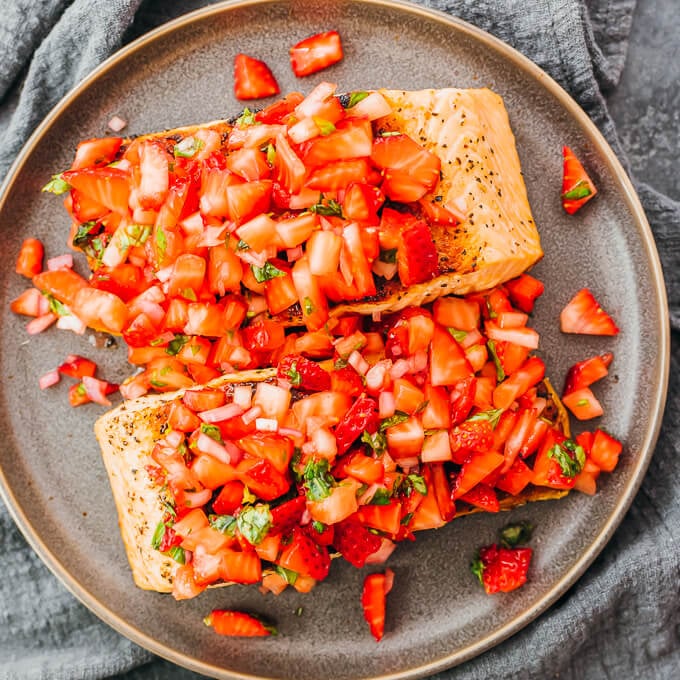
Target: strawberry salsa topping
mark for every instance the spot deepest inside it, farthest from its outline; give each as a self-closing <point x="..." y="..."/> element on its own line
<point x="413" y="419"/>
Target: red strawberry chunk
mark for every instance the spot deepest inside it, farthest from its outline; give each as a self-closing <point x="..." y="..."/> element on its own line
<point x="287" y="515"/>
<point x="504" y="569"/>
<point x="304" y="556"/>
<point x="239" y="624"/>
<point x="362" y="416"/>
<point x="376" y="587"/>
<point x="583" y="314"/>
<point x="316" y="53"/>
<point x="253" y="79"/>
<point x="303" y="374"/>
<point x="355" y="542"/>
<point x="577" y="187"/>
<point x="417" y="259"/>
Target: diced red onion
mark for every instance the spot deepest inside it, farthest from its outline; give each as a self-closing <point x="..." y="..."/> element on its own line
<point x="243" y="396"/>
<point x="250" y="415"/>
<point x="217" y="415"/>
<point x="251" y="257"/>
<point x="40" y="323"/>
<point x="310" y="106"/>
<point x="387" y="270"/>
<point x="375" y="376"/>
<point x="96" y="390"/>
<point x="399" y="368"/>
<point x="303" y="130"/>
<point x="49" y="379"/>
<point x="70" y="322"/>
<point x="308" y="448"/>
<point x="253" y="135"/>
<point x="291" y="432"/>
<point x="418" y="362"/>
<point x="240" y="356"/>
<point x="153" y="310"/>
<point x="212" y="236"/>
<point x="213" y="448"/>
<point x="116" y="123"/>
<point x="235" y="453"/>
<point x="174" y="438"/>
<point x="358" y="363"/>
<point x="133" y="390"/>
<point x="325" y="443"/>
<point x="386" y="404"/>
<point x="197" y="499"/>
<point x="43" y="304"/>
<point x="64" y="261"/>
<point x="266" y="424"/>
<point x="372" y="107"/>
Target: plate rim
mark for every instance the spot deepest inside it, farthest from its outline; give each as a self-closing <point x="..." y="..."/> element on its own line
<point x="657" y="404"/>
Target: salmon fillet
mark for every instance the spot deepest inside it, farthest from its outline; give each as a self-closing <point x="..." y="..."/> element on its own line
<point x="127" y="436"/>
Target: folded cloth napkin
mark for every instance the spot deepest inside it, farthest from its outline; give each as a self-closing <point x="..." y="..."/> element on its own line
<point x="622" y="618"/>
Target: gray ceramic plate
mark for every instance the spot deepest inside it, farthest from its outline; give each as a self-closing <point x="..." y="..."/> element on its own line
<point x="52" y="477"/>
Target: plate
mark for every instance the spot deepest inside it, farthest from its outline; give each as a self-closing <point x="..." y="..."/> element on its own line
<point x="52" y="476"/>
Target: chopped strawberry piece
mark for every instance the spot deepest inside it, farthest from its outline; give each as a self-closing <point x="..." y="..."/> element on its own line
<point x="238" y="624"/>
<point x="29" y="262"/>
<point x="303" y="374"/>
<point x="523" y="292"/>
<point x="304" y="556"/>
<point x="586" y="372"/>
<point x="109" y="187"/>
<point x="355" y="542"/>
<point x="417" y="258"/>
<point x="400" y="155"/>
<point x="253" y="79"/>
<point x="583" y="314"/>
<point x="502" y="569"/>
<point x="376" y="587"/>
<point x="577" y="187"/>
<point x="287" y="515"/>
<point x="316" y="53"/>
<point x="362" y="416"/>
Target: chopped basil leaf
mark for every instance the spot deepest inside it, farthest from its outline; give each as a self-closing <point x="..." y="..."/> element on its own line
<point x="500" y="373"/>
<point x="515" y="534"/>
<point x="477" y="568"/>
<point x="188" y="147"/>
<point x="177" y="554"/>
<point x="380" y="497"/>
<point x="294" y="375"/>
<point x="224" y="523"/>
<point x="271" y="154"/>
<point x="418" y="483"/>
<point x="136" y="234"/>
<point x="170" y="508"/>
<point x="212" y="431"/>
<point x="406" y="519"/>
<point x="398" y="417"/>
<point x="92" y="244"/>
<point x="161" y="242"/>
<point x="266" y="273"/>
<point x="246" y="118"/>
<point x="319" y="527"/>
<point x="80" y="390"/>
<point x="355" y="98"/>
<point x="376" y="441"/>
<point x="457" y="335"/>
<point x="288" y="575"/>
<point x="158" y="535"/>
<point x="56" y="307"/>
<point x="189" y="294"/>
<point x="57" y="186"/>
<point x="242" y="245"/>
<point x="493" y="416"/>
<point x="295" y="464"/>
<point x="582" y="402"/>
<point x="175" y="346"/>
<point x="423" y="406"/>
<point x="298" y="611"/>
<point x="570" y="456"/>
<point x="490" y="310"/>
<point x="331" y="208"/>
<point x="340" y="363"/>
<point x="325" y="126"/>
<point x="254" y="522"/>
<point x="157" y="383"/>
<point x="580" y="190"/>
<point x="318" y="481"/>
<point x="307" y="306"/>
<point x="389" y="256"/>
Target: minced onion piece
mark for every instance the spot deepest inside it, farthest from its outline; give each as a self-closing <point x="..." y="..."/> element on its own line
<point x="387" y="270"/>
<point x="240" y="356"/>
<point x="153" y="310"/>
<point x="197" y="499"/>
<point x="418" y="362"/>
<point x="310" y="106"/>
<point x="96" y="390"/>
<point x="132" y="390"/>
<point x="212" y="236"/>
<point x="174" y="438"/>
<point x="251" y="414"/>
<point x="249" y="256"/>
<point x="235" y="453"/>
<point x="386" y="405"/>
<point x="40" y="323"/>
<point x="408" y="463"/>
<point x="306" y="517"/>
<point x="116" y="123"/>
<point x="358" y="363"/>
<point x="70" y="322"/>
<point x="372" y="107"/>
<point x="49" y="379"/>
<point x="266" y="424"/>
<point x="399" y="368"/>
<point x="243" y="396"/>
<point x="213" y="448"/>
<point x="325" y="442"/>
<point x="303" y="130"/>
<point x="60" y="262"/>
<point x="375" y="377"/>
<point x="226" y="412"/>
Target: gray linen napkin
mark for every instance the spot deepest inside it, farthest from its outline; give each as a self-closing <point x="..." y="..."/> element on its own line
<point x="622" y="618"/>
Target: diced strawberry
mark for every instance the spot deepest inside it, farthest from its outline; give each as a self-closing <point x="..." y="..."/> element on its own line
<point x="523" y="292"/>
<point x="109" y="187"/>
<point x="29" y="261"/>
<point x="583" y="314"/>
<point x="338" y="175"/>
<point x="605" y="451"/>
<point x="376" y="587"/>
<point x="448" y="363"/>
<point x="583" y="403"/>
<point x="462" y="399"/>
<point x="471" y="435"/>
<point x="347" y="380"/>
<point x="400" y="154"/>
<point x="237" y="624"/>
<point x="316" y="53"/>
<point x="278" y="112"/>
<point x="304" y="556"/>
<point x="417" y="258"/>
<point x="303" y="374"/>
<point x="287" y="515"/>
<point x="586" y="372"/>
<point x="253" y="79"/>
<point x="443" y="493"/>
<point x="230" y="498"/>
<point x="96" y="152"/>
<point x="362" y="416"/>
<point x="482" y="496"/>
<point x="355" y="542"/>
<point x="577" y="187"/>
<point x="502" y="569"/>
